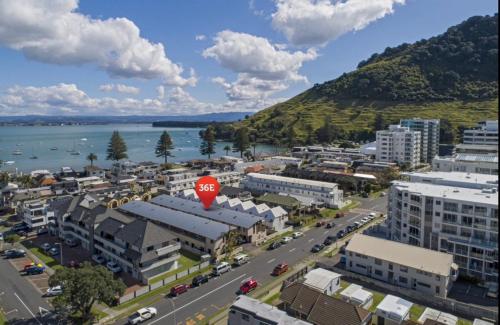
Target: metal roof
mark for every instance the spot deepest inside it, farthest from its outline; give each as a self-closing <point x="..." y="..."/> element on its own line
<point x="226" y="216"/>
<point x="185" y="221"/>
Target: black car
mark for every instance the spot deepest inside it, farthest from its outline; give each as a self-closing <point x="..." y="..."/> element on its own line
<point x="327" y="242"/>
<point x="199" y="279"/>
<point x="330" y="225"/>
<point x="14" y="253"/>
<point x="274" y="245"/>
<point x="349" y="229"/>
<point x="20" y="226"/>
<point x="340" y="234"/>
<point x="317" y="248"/>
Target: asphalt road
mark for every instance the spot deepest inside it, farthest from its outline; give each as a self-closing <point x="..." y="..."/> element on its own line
<point x="200" y="303"/>
<point x="19" y="300"/>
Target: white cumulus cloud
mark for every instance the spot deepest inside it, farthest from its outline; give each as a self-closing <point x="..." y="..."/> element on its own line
<point x="316" y="22"/>
<point x="121" y="88"/>
<point x="200" y="37"/>
<point x="52" y="31"/>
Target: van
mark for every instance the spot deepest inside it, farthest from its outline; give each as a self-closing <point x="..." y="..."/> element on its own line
<point x="240" y="259"/>
<point x="221" y="268"/>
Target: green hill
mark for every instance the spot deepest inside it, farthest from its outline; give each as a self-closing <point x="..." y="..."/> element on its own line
<point x="452" y="76"/>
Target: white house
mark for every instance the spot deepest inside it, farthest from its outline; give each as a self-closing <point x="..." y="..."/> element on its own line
<point x="437" y="316"/>
<point x="325" y="281"/>
<point x="356" y="295"/>
<point x="392" y="310"/>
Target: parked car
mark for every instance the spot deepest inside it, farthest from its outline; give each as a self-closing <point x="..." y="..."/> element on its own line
<point x="330" y="225"/>
<point x="30" y="265"/>
<point x="280" y="269"/>
<point x="328" y="241"/>
<point x="142" y="315"/>
<point x="274" y="245"/>
<point x="1" y="236"/>
<point x="20" y="226"/>
<point x="382" y="194"/>
<point x="15" y="253"/>
<point x="98" y="259"/>
<point x="46" y="246"/>
<point x="199" y="279"/>
<point x="320" y="223"/>
<point x="113" y="267"/>
<point x="54" y="291"/>
<point x="349" y="229"/>
<point x="72" y="242"/>
<point x="317" y="248"/>
<point x="248" y="286"/>
<point x="178" y="289"/>
<point x="286" y="240"/>
<point x="357" y="225"/>
<point x="42" y="231"/>
<point x="340" y="234"/>
<point x="54" y="251"/>
<point x="36" y="269"/>
<point x="372" y="214"/>
<point x="240" y="259"/>
<point x="22" y="233"/>
<point x="365" y="220"/>
<point x="364" y="194"/>
<point x="297" y="234"/>
<point x="221" y="268"/>
<point x="339" y="215"/>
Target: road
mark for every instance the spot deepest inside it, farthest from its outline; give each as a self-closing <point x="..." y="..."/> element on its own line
<point x="198" y="304"/>
<point x="19" y="300"/>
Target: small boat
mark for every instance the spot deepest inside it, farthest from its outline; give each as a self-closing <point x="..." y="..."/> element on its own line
<point x="33" y="157"/>
<point x="17" y="152"/>
<point x="83" y="139"/>
<point x="75" y="153"/>
<point x="9" y="162"/>
<point x="53" y="148"/>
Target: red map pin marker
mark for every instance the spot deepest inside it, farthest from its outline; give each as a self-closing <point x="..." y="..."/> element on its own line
<point x="207" y="189"/>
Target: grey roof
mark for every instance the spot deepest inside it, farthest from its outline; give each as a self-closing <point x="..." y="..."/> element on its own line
<point x="477" y="157"/>
<point x="229" y="217"/>
<point x="184" y="221"/>
<point x="143" y="233"/>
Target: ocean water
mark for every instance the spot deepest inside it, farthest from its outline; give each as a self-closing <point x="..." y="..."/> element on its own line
<point x="140" y="139"/>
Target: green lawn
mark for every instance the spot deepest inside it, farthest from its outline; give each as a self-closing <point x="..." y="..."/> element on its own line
<point x="416" y="311"/>
<point x="269" y="241"/>
<point x="98" y="314"/>
<point x="47" y="259"/>
<point x="2" y="319"/>
<point x="272" y="298"/>
<point x="186" y="261"/>
<point x="330" y="213"/>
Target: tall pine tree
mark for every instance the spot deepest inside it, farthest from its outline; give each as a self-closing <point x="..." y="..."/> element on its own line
<point x="117" y="149"/>
<point x="164" y="146"/>
<point x="207" y="146"/>
<point x="241" y="141"/>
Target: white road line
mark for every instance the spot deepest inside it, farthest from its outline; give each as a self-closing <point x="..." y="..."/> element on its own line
<point x="326" y="232"/>
<point x="291" y="250"/>
<point x="310" y="240"/>
<point x="15" y="294"/>
<point x="11" y="311"/>
<point x="199" y="298"/>
<point x="271" y="260"/>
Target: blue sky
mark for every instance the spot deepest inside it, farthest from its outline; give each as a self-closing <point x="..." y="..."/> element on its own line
<point x="70" y="57"/>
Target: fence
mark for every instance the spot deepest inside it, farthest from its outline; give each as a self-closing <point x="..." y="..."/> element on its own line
<point x="448" y="305"/>
<point x="163" y="282"/>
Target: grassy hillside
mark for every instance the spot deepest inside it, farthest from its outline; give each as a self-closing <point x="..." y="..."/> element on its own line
<point x="452" y="76"/>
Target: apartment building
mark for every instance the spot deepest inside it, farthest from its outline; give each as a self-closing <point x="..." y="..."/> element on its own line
<point x="36" y="214"/>
<point x="400" y="145"/>
<point x="462" y="221"/>
<point x="187" y="180"/>
<point x="486" y="133"/>
<point x="454" y="179"/>
<point x="469" y="163"/>
<point x="320" y="193"/>
<point x="407" y="266"/>
<point x="429" y="136"/>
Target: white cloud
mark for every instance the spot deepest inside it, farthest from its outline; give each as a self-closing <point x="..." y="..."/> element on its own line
<point x="121" y="88"/>
<point x="160" y="90"/>
<point x="200" y="37"/>
<point x="257" y="57"/>
<point x="316" y="22"/>
<point x="250" y="88"/>
<point x="52" y="31"/>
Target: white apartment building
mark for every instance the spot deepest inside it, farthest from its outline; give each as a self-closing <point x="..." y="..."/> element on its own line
<point x="36" y="214"/>
<point x="486" y="132"/>
<point x="407" y="266"/>
<point x="469" y="163"/>
<point x="322" y="193"/>
<point x="399" y="145"/>
<point x="184" y="182"/>
<point x="429" y="136"/>
<point x="458" y="220"/>
<point x="455" y="179"/>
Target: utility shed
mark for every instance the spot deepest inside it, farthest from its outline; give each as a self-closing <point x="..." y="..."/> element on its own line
<point x="325" y="281"/>
<point x="356" y="295"/>
<point x="392" y="310"/>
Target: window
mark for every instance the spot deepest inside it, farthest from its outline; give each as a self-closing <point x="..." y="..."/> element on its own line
<point x="390" y="266"/>
<point x="245" y="317"/>
<point x="402" y="279"/>
<point x="423" y="284"/>
<point x="438" y="202"/>
<point x="378" y="262"/>
<point x="361" y="266"/>
<point x="403" y="269"/>
<point x="437" y="290"/>
<point x="379" y="272"/>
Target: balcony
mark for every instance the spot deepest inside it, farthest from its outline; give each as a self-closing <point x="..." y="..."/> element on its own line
<point x="168" y="249"/>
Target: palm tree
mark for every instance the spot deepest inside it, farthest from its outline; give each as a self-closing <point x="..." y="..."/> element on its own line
<point x="227" y="148"/>
<point x="25" y="181"/>
<point x="4" y="178"/>
<point x="91" y="157"/>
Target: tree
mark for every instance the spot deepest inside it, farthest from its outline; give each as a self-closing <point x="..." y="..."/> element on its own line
<point x="446" y="134"/>
<point x="241" y="140"/>
<point x="25" y="181"/>
<point x="83" y="287"/>
<point x="328" y="132"/>
<point x="4" y="179"/>
<point x="117" y="148"/>
<point x="207" y="146"/>
<point x="248" y="154"/>
<point x="227" y="148"/>
<point x="254" y="145"/>
<point x="164" y="146"/>
<point x="291" y="137"/>
<point x="379" y="123"/>
<point x="91" y="157"/>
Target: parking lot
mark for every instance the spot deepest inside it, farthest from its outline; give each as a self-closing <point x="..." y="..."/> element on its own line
<point x="39" y="281"/>
<point x="472" y="294"/>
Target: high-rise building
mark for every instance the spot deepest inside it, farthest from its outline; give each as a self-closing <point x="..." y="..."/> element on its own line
<point x="429" y="136"/>
<point x="486" y="132"/>
<point x="449" y="214"/>
<point x="398" y="144"/>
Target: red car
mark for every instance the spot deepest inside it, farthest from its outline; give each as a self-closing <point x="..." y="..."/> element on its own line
<point x="27" y="266"/>
<point x="280" y="269"/>
<point x="248" y="286"/>
<point x="178" y="289"/>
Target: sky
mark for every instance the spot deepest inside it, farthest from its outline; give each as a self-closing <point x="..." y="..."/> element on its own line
<point x="153" y="57"/>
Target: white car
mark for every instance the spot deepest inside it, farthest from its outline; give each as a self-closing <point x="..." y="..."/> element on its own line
<point x="1" y="236"/>
<point x="54" y="251"/>
<point x="285" y="240"/>
<point x="365" y="220"/>
<point x="113" y="267"/>
<point x="297" y="234"/>
<point x="142" y="315"/>
<point x="98" y="259"/>
<point x="373" y="214"/>
<point x="54" y="291"/>
<point x="46" y="246"/>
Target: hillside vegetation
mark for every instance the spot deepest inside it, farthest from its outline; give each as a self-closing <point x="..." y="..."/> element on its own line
<point x="452" y="76"/>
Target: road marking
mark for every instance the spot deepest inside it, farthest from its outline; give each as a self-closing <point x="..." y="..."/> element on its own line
<point x="22" y="302"/>
<point x="310" y="240"/>
<point x="291" y="250"/>
<point x="271" y="260"/>
<point x="8" y="312"/>
<point x="199" y="298"/>
<point x="326" y="232"/>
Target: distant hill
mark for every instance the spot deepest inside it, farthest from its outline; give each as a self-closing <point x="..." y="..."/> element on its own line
<point x="452" y="76"/>
<point x="45" y="119"/>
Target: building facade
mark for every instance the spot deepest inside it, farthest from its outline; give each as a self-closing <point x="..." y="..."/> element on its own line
<point x="485" y="133"/>
<point x="468" y="163"/>
<point x="36" y="214"/>
<point x="429" y="136"/>
<point x="400" y="145"/>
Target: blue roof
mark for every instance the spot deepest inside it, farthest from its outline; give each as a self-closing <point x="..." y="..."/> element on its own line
<point x="185" y="221"/>
<point x="227" y="216"/>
